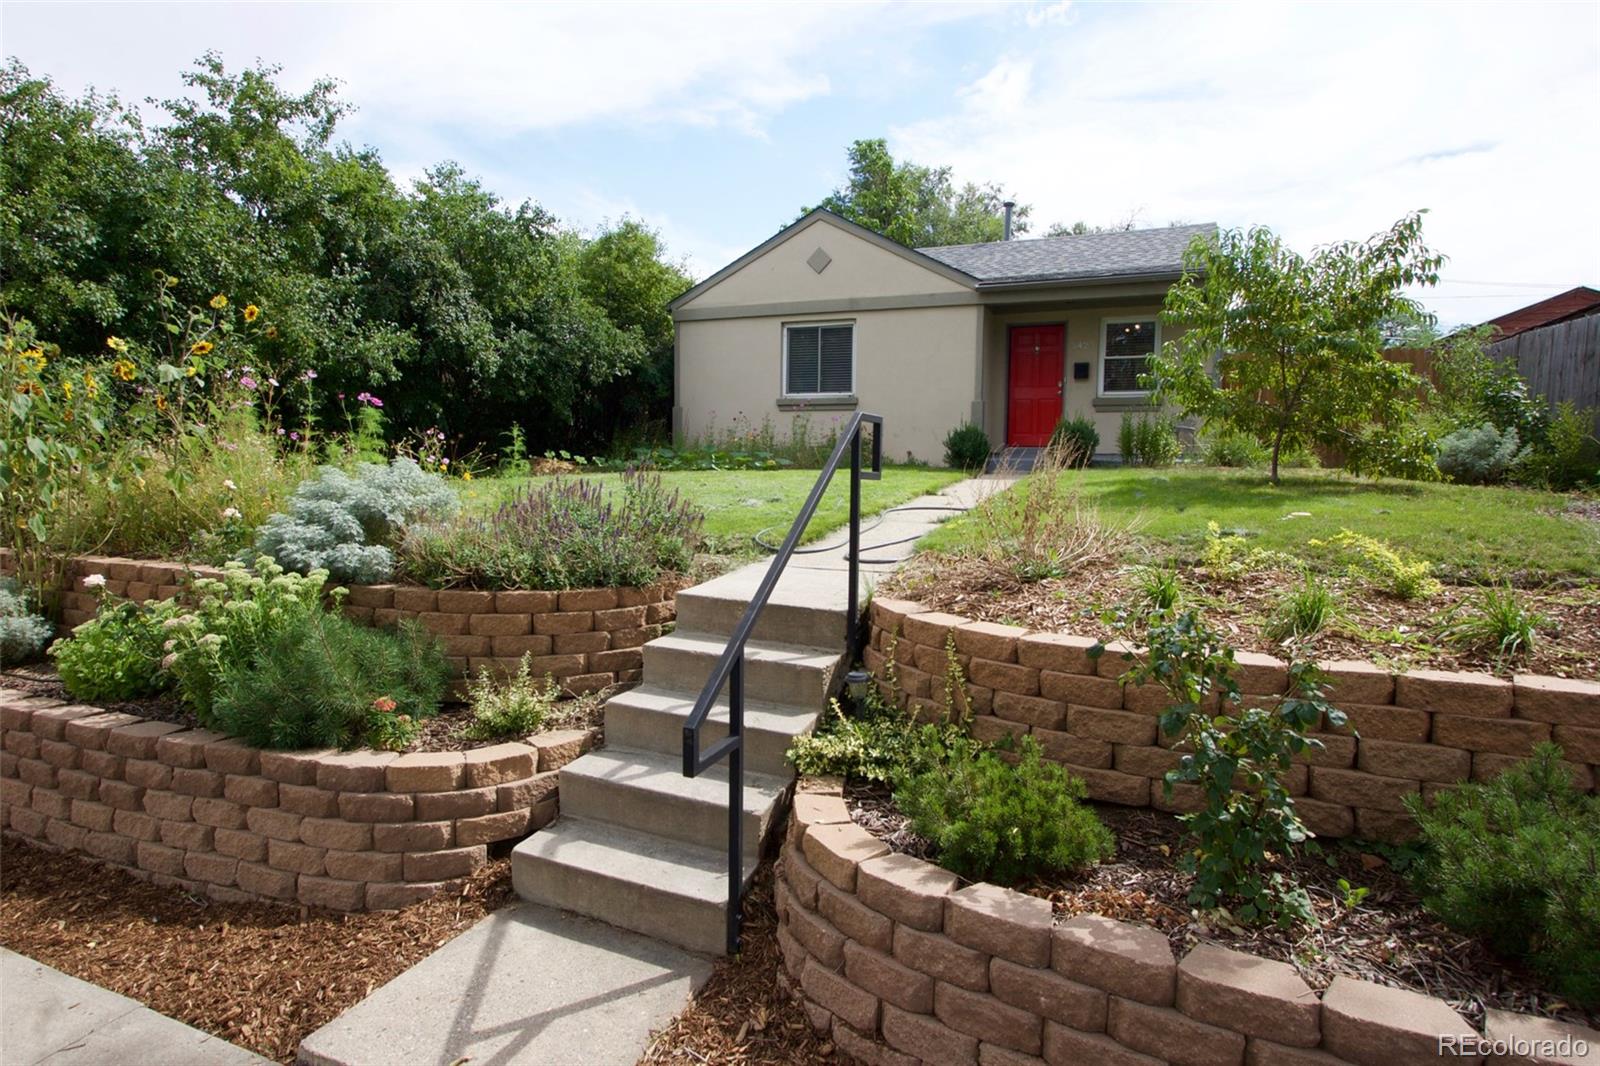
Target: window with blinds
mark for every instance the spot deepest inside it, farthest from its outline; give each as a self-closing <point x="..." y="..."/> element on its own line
<point x="819" y="360"/>
<point x="1125" y="351"/>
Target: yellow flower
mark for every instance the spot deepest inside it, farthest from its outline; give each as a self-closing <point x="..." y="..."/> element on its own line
<point x="66" y="389"/>
<point x="124" y="370"/>
<point x="161" y="402"/>
<point x="190" y="371"/>
<point x="171" y="280"/>
<point x="116" y="344"/>
<point x="466" y="475"/>
<point x="218" y="302"/>
<point x="272" y="332"/>
<point x="91" y="387"/>
<point x="250" y="312"/>
<point x="200" y="348"/>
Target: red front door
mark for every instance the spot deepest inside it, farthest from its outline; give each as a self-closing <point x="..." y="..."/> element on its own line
<point x="1034" y="404"/>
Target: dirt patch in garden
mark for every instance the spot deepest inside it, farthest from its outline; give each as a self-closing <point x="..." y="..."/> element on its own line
<point x="1367" y="624"/>
<point x="442" y="732"/>
<point x="743" y="1014"/>
<point x="1385" y="936"/>
<point x="259" y="975"/>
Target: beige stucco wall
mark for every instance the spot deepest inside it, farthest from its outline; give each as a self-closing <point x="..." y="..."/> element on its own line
<point x="859" y="269"/>
<point x="1083" y="346"/>
<point x="917" y="367"/>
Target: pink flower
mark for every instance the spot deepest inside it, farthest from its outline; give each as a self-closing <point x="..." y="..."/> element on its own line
<point x="248" y="382"/>
<point x="375" y="402"/>
<point x="311" y="375"/>
<point x="384" y="704"/>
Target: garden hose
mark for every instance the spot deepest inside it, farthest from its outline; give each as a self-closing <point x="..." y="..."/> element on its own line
<point x="877" y="520"/>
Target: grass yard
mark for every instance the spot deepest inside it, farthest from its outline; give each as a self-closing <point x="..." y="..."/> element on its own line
<point x="741" y="503"/>
<point x="1467" y="532"/>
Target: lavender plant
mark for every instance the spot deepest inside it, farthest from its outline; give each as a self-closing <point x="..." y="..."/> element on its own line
<point x="563" y="534"/>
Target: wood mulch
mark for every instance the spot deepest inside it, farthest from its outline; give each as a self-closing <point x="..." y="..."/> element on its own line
<point x="1367" y="625"/>
<point x="442" y="732"/>
<point x="1385" y="937"/>
<point x="261" y="975"/>
<point x="742" y="1014"/>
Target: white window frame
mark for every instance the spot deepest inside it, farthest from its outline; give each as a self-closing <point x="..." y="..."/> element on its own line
<point x="783" y="382"/>
<point x="1100" y="385"/>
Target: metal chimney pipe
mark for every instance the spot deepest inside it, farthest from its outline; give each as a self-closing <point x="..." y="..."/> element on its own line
<point x="1008" y="205"/>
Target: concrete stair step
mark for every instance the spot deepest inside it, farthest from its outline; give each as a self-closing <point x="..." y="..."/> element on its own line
<point x="648" y="718"/>
<point x="773" y="673"/>
<point x="807" y="606"/>
<point x="663" y="888"/>
<point x="646" y="791"/>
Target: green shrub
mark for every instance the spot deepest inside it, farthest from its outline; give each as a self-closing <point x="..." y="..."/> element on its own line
<point x="511" y="709"/>
<point x="1077" y="439"/>
<point x="560" y="534"/>
<point x="329" y="682"/>
<point x="1230" y="447"/>
<point x="23" y="634"/>
<point x="232" y="618"/>
<point x="1391" y="570"/>
<point x="1500" y="624"/>
<point x="1149" y="440"/>
<point x="1479" y="455"/>
<point x="1239" y="761"/>
<point x="1569" y="456"/>
<point x="966" y="447"/>
<point x="871" y="745"/>
<point x="1303" y="611"/>
<point x="997" y="821"/>
<point x="1160" y="590"/>
<point x="343" y="523"/>
<point x="1514" y="861"/>
<point x="116" y="655"/>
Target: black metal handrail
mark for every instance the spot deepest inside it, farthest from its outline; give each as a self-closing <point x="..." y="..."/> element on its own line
<point x="730" y="667"/>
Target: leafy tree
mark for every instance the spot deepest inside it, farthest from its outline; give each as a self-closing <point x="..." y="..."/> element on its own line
<point x="916" y="205"/>
<point x="1298" y="344"/>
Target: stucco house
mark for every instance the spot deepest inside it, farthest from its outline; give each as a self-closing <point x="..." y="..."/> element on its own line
<point x="828" y="316"/>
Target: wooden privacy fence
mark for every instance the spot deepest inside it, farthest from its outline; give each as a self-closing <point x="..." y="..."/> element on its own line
<point x="1559" y="362"/>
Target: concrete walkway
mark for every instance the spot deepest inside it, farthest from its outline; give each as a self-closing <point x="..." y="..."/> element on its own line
<point x="526" y="985"/>
<point x="48" y="1017"/>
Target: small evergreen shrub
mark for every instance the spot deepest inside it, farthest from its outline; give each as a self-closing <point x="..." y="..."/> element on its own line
<point x="871" y="745"/>
<point x="114" y="656"/>
<point x="1230" y="447"/>
<point x="560" y="534"/>
<point x="1514" y="861"/>
<point x="512" y="709"/>
<point x="1149" y="440"/>
<point x="343" y="523"/>
<point x="1480" y="455"/>
<point x="1077" y="439"/>
<point x="996" y="821"/>
<point x="966" y="447"/>
<point x="329" y="682"/>
<point x="23" y="634"/>
<point x="1389" y="569"/>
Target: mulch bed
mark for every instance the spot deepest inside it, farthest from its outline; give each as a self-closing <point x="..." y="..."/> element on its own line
<point x="260" y="975"/>
<point x="742" y="1014"/>
<point x="1369" y="625"/>
<point x="442" y="732"/>
<point x="1386" y="937"/>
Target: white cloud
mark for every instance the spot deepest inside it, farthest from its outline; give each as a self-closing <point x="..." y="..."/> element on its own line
<point x="1324" y="122"/>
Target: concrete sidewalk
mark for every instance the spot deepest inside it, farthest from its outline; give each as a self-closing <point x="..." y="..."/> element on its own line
<point x="526" y="985"/>
<point x="48" y="1017"/>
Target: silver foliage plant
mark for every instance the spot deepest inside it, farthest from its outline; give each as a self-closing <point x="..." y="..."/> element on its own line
<point x="343" y="523"/>
<point x="23" y="634"/>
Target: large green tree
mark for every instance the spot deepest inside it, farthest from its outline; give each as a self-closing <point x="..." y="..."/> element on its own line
<point x="462" y="311"/>
<point x="1289" y="348"/>
<point x="918" y="206"/>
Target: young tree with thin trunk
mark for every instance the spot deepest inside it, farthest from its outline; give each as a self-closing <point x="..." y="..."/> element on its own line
<point x="1289" y="349"/>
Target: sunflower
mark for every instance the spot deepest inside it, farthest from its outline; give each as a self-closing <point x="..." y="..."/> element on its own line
<point x="250" y="312"/>
<point x="201" y="348"/>
<point x="116" y="344"/>
<point x="124" y="370"/>
<point x="272" y="333"/>
<point x="218" y="302"/>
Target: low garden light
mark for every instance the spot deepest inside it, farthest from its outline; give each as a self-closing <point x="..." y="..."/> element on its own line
<point x="856" y="683"/>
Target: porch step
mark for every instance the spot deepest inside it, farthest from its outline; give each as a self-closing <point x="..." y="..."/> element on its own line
<point x="653" y="885"/>
<point x="646" y="791"/>
<point x="649" y="718"/>
<point x="807" y="606"/>
<point x="1013" y="460"/>
<point x="774" y="673"/>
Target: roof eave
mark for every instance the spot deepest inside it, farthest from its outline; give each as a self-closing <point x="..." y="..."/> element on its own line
<point x="1070" y="280"/>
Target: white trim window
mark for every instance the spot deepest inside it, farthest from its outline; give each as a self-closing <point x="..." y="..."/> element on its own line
<point x="819" y="359"/>
<point x="1126" y="347"/>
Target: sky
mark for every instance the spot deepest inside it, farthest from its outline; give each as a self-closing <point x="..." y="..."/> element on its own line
<point x="715" y="123"/>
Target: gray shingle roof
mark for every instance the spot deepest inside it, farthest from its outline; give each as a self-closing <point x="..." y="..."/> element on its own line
<point x="1090" y="255"/>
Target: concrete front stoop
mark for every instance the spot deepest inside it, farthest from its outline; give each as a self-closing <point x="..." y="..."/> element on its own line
<point x="641" y="846"/>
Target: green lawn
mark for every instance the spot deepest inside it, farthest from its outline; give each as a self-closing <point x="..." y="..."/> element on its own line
<point x="1468" y="532"/>
<point x="740" y="503"/>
